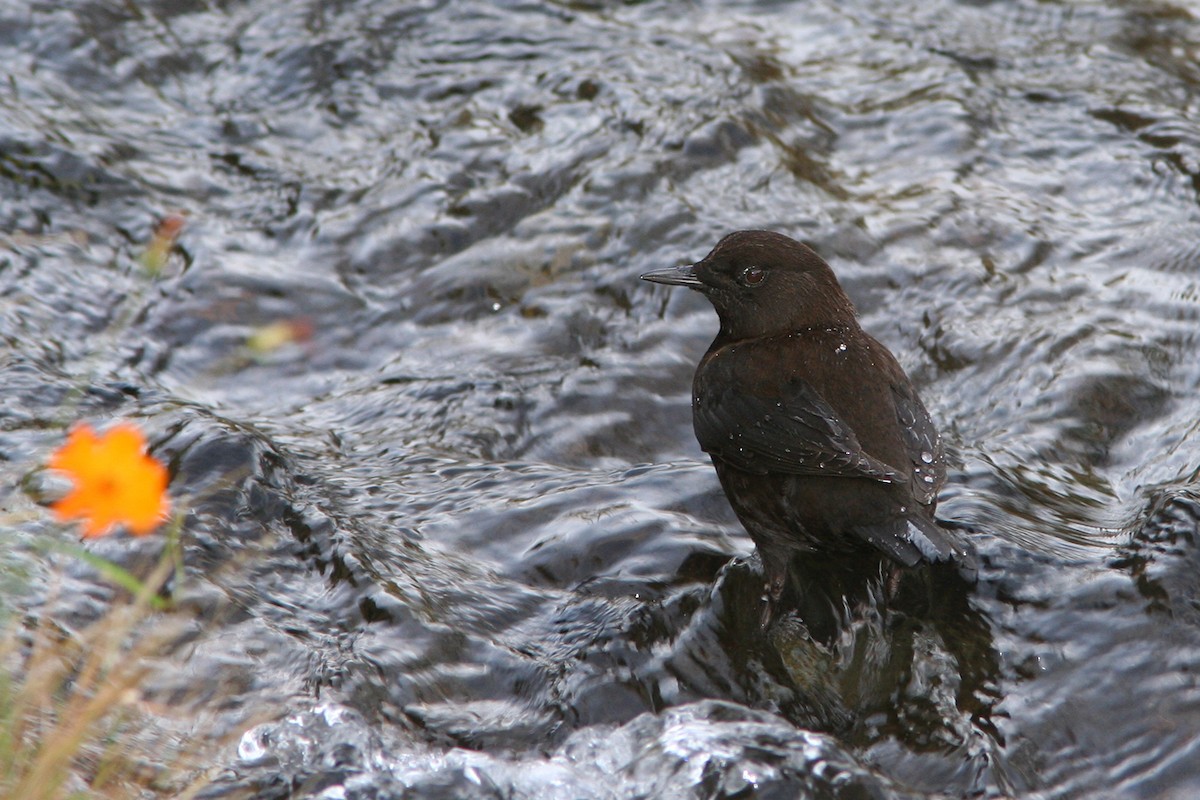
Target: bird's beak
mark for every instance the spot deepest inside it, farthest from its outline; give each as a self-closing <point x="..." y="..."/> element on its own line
<point x="675" y="276"/>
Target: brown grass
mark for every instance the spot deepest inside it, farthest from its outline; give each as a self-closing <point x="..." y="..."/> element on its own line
<point x="73" y="721"/>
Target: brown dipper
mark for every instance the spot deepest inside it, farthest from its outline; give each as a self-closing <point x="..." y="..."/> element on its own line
<point x="818" y="437"/>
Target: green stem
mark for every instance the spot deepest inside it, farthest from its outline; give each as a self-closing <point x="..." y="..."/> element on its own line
<point x="115" y="574"/>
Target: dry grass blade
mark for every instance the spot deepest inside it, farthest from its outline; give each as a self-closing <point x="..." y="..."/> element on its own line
<point x="66" y="699"/>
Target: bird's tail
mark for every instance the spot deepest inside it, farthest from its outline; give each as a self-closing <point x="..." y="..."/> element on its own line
<point x="913" y="540"/>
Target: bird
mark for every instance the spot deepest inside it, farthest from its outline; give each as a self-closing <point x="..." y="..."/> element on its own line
<point x="818" y="437"/>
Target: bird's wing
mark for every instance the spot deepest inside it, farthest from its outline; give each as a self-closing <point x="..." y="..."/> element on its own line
<point x="797" y="433"/>
<point x="921" y="441"/>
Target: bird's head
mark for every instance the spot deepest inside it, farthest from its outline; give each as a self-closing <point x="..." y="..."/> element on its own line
<point x="764" y="284"/>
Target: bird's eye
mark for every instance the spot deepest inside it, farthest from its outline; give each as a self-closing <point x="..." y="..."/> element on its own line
<point x="752" y="276"/>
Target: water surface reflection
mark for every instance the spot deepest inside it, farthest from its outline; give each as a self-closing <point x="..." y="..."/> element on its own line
<point x="462" y="543"/>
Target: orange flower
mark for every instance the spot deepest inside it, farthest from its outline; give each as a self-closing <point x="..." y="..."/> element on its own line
<point x="116" y="482"/>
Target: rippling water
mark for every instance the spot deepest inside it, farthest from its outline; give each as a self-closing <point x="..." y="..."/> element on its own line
<point x="462" y="543"/>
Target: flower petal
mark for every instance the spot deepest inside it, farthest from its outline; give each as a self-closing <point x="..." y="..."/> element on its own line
<point x="115" y="481"/>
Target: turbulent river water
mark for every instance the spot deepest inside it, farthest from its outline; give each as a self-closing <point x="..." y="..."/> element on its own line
<point x="459" y="541"/>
